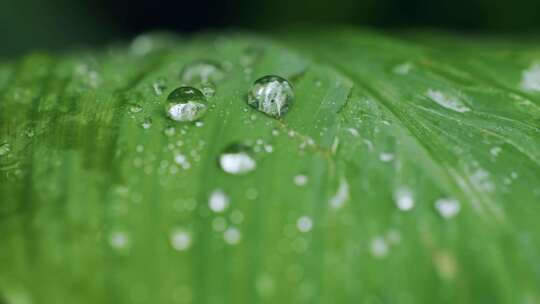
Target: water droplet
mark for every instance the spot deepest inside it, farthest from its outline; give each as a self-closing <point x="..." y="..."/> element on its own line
<point x="237" y="217"/>
<point x="304" y="224"/>
<point x="135" y="108"/>
<point x="403" y="69"/>
<point x="119" y="240"/>
<point x="271" y="95"/>
<point x="342" y="194"/>
<point x="169" y="131"/>
<point x="159" y="86"/>
<point x="219" y="224"/>
<point x="449" y="102"/>
<point x="530" y="80"/>
<point x="185" y="104"/>
<point x="208" y="89"/>
<point x="386" y="157"/>
<point x="404" y="199"/>
<point x="379" y="247"/>
<point x="495" y="151"/>
<point x="232" y="236"/>
<point x="180" y="239"/>
<point x="4" y="149"/>
<point x="300" y="180"/>
<point x="202" y="71"/>
<point x="237" y="160"/>
<point x="219" y="201"/>
<point x="147" y="123"/>
<point x="447" y="207"/>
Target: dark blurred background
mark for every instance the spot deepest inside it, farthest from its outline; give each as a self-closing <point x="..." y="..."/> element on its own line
<point x="49" y="24"/>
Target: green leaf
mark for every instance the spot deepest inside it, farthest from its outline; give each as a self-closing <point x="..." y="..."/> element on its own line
<point x="406" y="171"/>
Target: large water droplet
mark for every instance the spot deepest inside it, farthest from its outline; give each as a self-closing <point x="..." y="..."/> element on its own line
<point x="185" y="104"/>
<point x="202" y="71"/>
<point x="237" y="160"/>
<point x="271" y="95"/>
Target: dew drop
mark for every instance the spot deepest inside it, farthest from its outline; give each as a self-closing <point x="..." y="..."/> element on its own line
<point x="135" y="108"/>
<point x="202" y="71"/>
<point x="169" y="131"/>
<point x="236" y="160"/>
<point x="530" y="80"/>
<point x="304" y="224"/>
<point x="119" y="240"/>
<point x="218" y="201"/>
<point x="186" y="104"/>
<point x="300" y="180"/>
<point x="180" y="239"/>
<point x="4" y="149"/>
<point x="219" y="224"/>
<point x="379" y="247"/>
<point x="232" y="236"/>
<point x="147" y="123"/>
<point x="271" y="95"/>
<point x="404" y="199"/>
<point x="386" y="157"/>
<point x="447" y="207"/>
<point x="342" y="194"/>
<point x="450" y="102"/>
<point x="208" y="90"/>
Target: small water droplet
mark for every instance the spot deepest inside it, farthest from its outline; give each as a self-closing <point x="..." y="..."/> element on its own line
<point x="271" y="95"/>
<point x="403" y="68"/>
<point x="218" y="201"/>
<point x="450" y="102"/>
<point x="447" y="207"/>
<point x="494" y="151"/>
<point x="236" y="160"/>
<point x="530" y="80"/>
<point x="180" y="239"/>
<point x="147" y="123"/>
<point x="185" y="104"/>
<point x="379" y="247"/>
<point x="202" y="71"/>
<point x="232" y="236"/>
<point x="30" y="132"/>
<point x="159" y="86"/>
<point x="119" y="240"/>
<point x="135" y="108"/>
<point x="237" y="217"/>
<point x="169" y="131"/>
<point x="386" y="157"/>
<point x="342" y="194"/>
<point x="300" y="180"/>
<point x="208" y="89"/>
<point x="404" y="199"/>
<point x="4" y="149"/>
<point x="219" y="224"/>
<point x="304" y="224"/>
